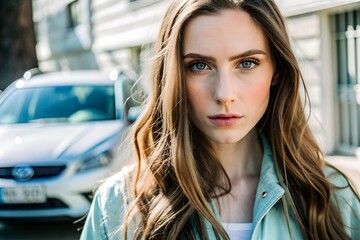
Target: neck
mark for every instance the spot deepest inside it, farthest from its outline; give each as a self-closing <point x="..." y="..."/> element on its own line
<point x="241" y="159"/>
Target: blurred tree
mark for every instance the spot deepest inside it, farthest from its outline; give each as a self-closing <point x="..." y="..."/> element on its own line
<point x="17" y="40"/>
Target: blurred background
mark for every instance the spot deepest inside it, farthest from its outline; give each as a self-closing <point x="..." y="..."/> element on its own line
<point x="65" y="35"/>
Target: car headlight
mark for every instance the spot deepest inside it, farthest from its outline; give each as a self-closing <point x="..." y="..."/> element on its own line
<point x="100" y="160"/>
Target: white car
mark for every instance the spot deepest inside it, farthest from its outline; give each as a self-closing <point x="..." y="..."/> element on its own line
<point x="59" y="138"/>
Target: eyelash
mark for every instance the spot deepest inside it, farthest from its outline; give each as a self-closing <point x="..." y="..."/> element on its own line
<point x="254" y="61"/>
<point x="207" y="66"/>
<point x="192" y="64"/>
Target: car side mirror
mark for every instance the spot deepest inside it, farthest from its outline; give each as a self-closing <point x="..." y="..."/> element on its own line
<point x="130" y="93"/>
<point x="133" y="113"/>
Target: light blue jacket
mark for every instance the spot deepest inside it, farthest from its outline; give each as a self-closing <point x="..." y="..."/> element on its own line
<point x="269" y="222"/>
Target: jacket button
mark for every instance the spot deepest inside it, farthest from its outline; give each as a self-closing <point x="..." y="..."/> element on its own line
<point x="264" y="194"/>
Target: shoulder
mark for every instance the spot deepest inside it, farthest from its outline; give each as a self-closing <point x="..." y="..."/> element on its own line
<point x="109" y="207"/>
<point x="340" y="182"/>
<point x="346" y="198"/>
<point x="115" y="190"/>
<point x="338" y="179"/>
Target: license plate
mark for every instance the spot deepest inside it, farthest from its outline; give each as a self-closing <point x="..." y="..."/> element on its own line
<point x="23" y="194"/>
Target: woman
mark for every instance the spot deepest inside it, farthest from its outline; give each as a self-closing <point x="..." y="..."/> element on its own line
<point x="223" y="148"/>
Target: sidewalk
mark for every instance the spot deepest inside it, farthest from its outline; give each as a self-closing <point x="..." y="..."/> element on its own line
<point x="349" y="165"/>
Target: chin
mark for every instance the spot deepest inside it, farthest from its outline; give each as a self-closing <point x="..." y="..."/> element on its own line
<point x="226" y="140"/>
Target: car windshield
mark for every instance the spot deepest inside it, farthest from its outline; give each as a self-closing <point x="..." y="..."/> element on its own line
<point x="70" y="104"/>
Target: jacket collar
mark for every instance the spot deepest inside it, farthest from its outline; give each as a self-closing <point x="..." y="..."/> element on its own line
<point x="269" y="190"/>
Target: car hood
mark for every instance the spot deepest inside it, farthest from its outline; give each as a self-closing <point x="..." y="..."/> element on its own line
<point x="31" y="143"/>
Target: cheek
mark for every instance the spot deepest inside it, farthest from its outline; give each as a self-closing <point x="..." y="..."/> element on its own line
<point x="259" y="93"/>
<point x="264" y="81"/>
<point x="197" y="95"/>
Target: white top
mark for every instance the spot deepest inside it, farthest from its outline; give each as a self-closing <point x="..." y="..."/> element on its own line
<point x="238" y="231"/>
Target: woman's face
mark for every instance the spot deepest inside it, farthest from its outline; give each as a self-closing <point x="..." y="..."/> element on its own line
<point x="228" y="74"/>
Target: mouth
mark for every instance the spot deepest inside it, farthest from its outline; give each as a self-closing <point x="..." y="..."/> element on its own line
<point x="223" y="120"/>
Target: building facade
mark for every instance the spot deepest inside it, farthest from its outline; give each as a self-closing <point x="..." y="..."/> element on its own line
<point x="325" y="36"/>
<point x="107" y="34"/>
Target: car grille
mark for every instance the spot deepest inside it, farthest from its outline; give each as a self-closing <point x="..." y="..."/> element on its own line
<point x="39" y="172"/>
<point x="51" y="203"/>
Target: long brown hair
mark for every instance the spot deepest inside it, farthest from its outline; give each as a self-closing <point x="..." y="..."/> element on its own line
<point x="177" y="171"/>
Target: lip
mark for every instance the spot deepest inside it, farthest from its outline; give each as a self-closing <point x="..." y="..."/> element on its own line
<point x="225" y="120"/>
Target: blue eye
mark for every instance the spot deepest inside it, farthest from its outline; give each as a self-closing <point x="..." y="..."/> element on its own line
<point x="249" y="64"/>
<point x="199" y="66"/>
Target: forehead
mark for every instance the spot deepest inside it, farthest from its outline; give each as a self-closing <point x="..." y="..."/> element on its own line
<point x="228" y="30"/>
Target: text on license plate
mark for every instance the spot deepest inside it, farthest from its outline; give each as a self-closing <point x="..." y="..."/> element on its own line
<point x="23" y="194"/>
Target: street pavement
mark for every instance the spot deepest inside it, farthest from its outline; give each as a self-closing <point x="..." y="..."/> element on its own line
<point x="39" y="231"/>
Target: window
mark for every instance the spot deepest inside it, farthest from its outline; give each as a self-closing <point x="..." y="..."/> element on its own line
<point x="59" y="104"/>
<point x="74" y="14"/>
<point x="347" y="56"/>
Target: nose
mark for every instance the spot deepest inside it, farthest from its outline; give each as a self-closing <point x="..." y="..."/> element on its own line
<point x="225" y="89"/>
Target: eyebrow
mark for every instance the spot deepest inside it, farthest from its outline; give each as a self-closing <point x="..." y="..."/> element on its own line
<point x="196" y="55"/>
<point x="241" y="55"/>
<point x="248" y="53"/>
